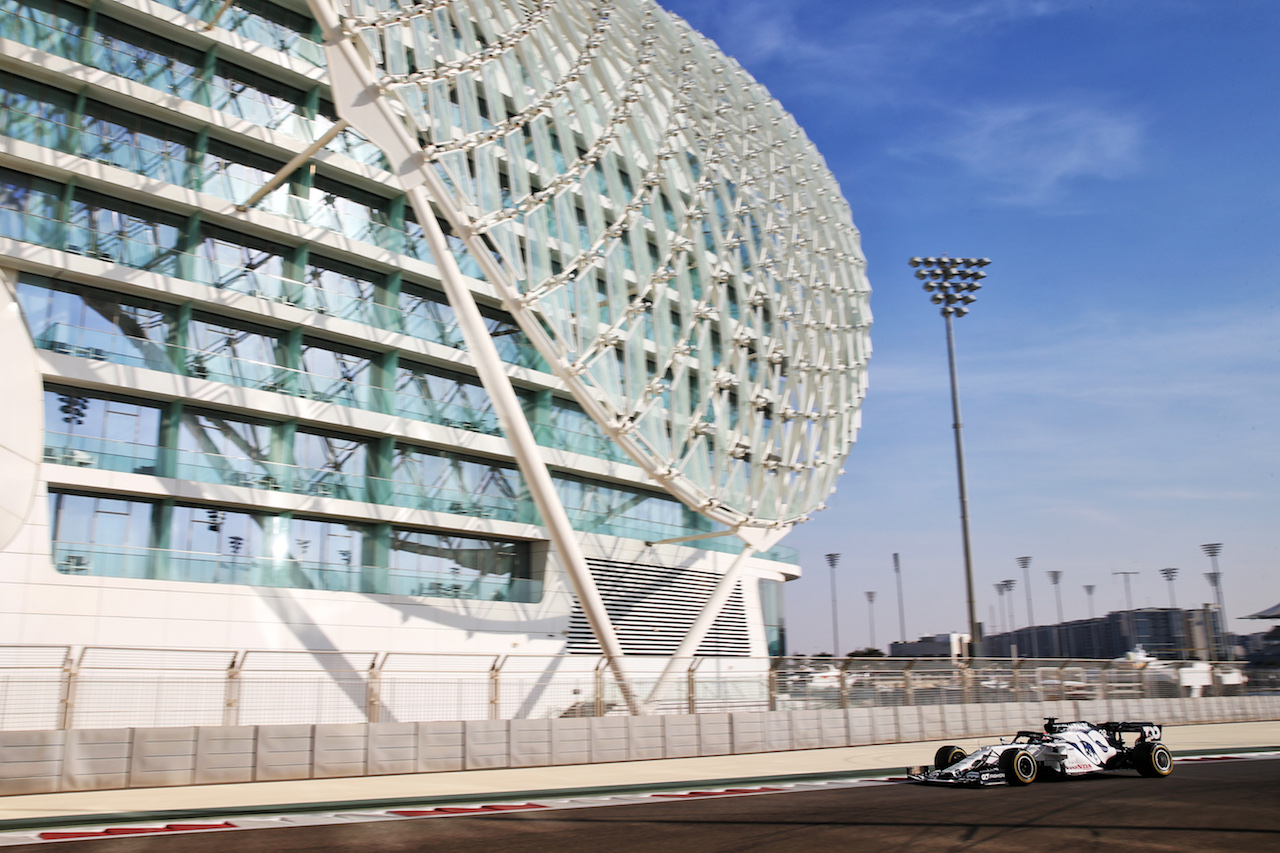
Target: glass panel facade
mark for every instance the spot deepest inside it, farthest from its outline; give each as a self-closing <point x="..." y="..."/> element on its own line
<point x="134" y="143"/>
<point x="326" y="554"/>
<point x="330" y="466"/>
<point x="343" y="290"/>
<point x="107" y="134"/>
<point x="143" y="57"/>
<point x="55" y="26"/>
<point x="331" y="375"/>
<point x="425" y="478"/>
<point x="131" y="234"/>
<point x="112" y="537"/>
<point x="31" y="210"/>
<point x="440" y="565"/>
<point x="258" y="99"/>
<point x="266" y="23"/>
<point x="235" y="174"/>
<point x="225" y="351"/>
<point x="88" y="429"/>
<point x="772" y="603"/>
<point x="236" y="262"/>
<point x="35" y="112"/>
<point x="101" y="432"/>
<point x="72" y="319"/>
<point x="101" y="535"/>
<point x="237" y="450"/>
<point x="428" y="394"/>
<point x="105" y="327"/>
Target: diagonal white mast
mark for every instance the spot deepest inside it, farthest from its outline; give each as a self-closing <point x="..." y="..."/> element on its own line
<point x="358" y="100"/>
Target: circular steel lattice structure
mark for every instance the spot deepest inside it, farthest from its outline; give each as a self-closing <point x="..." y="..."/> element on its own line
<point x="658" y="225"/>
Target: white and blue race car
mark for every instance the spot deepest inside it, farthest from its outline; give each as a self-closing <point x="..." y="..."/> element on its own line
<point x="1060" y="751"/>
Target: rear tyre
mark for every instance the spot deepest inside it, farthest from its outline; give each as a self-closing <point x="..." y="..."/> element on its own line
<point x="1153" y="760"/>
<point x="946" y="756"/>
<point x="1019" y="766"/>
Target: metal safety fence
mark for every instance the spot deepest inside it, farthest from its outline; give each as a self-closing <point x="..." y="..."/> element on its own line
<point x="62" y="687"/>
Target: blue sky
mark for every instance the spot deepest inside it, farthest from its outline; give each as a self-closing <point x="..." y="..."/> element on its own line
<point x="1119" y="161"/>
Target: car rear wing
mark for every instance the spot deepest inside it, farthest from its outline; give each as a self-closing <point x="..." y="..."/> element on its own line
<point x="1148" y="732"/>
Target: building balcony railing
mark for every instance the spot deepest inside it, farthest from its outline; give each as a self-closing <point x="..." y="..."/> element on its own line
<point x="182" y="167"/>
<point x="115" y="561"/>
<point x="247" y="24"/>
<point x="138" y="458"/>
<point x="99" y="345"/>
<point x="172" y="76"/>
<point x="165" y="260"/>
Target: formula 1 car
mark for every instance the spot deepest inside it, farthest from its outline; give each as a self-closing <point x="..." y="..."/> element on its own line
<point x="1060" y="751"/>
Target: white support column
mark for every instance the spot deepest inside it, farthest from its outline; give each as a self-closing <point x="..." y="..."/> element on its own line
<point x="358" y="100"/>
<point x="755" y="540"/>
<point x="506" y="405"/>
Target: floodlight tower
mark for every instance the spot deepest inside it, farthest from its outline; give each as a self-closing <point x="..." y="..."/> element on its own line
<point x="1054" y="578"/>
<point x="1025" y="564"/>
<point x="1000" y="598"/>
<point x="1093" y="626"/>
<point x="871" y="615"/>
<point x="1169" y="575"/>
<point x="902" y="613"/>
<point x="953" y="283"/>
<point x="832" y="561"/>
<point x="1009" y="584"/>
<point x="1128" y="603"/>
<point x="1212" y="550"/>
<point x="1128" y="594"/>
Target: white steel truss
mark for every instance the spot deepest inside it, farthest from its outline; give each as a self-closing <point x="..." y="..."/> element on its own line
<point x="657" y="225"/>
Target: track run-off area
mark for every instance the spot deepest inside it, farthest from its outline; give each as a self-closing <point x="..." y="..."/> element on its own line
<point x="1229" y="802"/>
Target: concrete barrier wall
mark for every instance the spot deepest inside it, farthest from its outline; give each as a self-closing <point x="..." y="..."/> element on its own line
<point x="99" y="759"/>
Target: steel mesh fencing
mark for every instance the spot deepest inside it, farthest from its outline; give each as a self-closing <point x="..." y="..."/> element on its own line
<point x="288" y="688"/>
<point x="146" y="699"/>
<point x="31" y="699"/>
<point x="32" y="681"/>
<point x="424" y="687"/>
<point x="52" y="688"/>
<point x="537" y="687"/>
<point x="134" y="687"/>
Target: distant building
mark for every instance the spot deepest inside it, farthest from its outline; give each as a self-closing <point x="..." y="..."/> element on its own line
<point x="1165" y="632"/>
<point x="937" y="646"/>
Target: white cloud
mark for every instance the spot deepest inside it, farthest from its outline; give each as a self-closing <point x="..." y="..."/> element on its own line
<point x="1029" y="153"/>
<point x="856" y="53"/>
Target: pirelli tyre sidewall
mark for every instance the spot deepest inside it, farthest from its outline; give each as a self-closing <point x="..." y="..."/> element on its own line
<point x="946" y="756"/>
<point x="1019" y="766"/>
<point x="1153" y="760"/>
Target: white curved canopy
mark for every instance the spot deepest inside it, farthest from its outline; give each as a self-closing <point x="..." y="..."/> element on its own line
<point x="658" y="225"/>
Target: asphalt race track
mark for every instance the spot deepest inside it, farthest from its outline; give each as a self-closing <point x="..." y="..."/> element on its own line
<point x="1207" y="805"/>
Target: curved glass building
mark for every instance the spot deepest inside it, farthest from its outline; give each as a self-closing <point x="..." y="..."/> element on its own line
<point x="500" y="326"/>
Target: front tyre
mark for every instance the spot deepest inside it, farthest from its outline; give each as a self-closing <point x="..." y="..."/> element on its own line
<point x="946" y="756"/>
<point x="1019" y="766"/>
<point x="1153" y="760"/>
